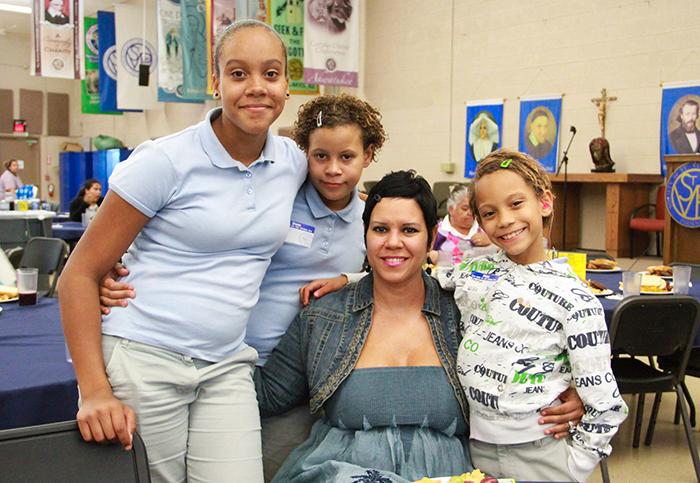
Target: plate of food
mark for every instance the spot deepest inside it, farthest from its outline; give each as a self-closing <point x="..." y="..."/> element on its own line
<point x="598" y="289"/>
<point x="8" y="294"/>
<point x="654" y="285"/>
<point x="663" y="271"/>
<point x="475" y="476"/>
<point x="602" y="265"/>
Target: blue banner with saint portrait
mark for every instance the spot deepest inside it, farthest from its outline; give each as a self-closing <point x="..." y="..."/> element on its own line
<point x="484" y="127"/>
<point x="680" y="128"/>
<point x="539" y="129"/>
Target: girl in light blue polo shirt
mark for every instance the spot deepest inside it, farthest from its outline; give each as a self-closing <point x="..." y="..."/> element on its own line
<point x="199" y="214"/>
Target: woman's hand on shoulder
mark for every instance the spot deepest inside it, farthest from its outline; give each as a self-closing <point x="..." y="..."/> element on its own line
<point x="102" y="418"/>
<point x="570" y="410"/>
<point x="319" y="288"/>
<point x="114" y="293"/>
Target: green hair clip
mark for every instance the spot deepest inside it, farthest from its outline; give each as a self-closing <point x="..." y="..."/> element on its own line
<point x="506" y="163"/>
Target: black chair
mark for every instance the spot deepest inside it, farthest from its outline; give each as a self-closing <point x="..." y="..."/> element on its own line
<point x="49" y="256"/>
<point x="14" y="255"/>
<point x="691" y="369"/>
<point x="57" y="452"/>
<point x="654" y="326"/>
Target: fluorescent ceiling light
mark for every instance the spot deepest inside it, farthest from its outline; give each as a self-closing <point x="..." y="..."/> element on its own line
<point x="15" y="8"/>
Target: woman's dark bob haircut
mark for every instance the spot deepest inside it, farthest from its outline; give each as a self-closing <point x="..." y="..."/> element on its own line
<point x="404" y="184"/>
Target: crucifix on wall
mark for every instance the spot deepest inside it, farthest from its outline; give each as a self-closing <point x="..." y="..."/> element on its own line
<point x="600" y="147"/>
<point x="602" y="104"/>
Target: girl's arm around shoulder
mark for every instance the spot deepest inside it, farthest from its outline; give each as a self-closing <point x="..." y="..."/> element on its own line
<point x="281" y="383"/>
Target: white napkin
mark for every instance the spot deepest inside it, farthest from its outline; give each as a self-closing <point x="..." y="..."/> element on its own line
<point x="8" y="275"/>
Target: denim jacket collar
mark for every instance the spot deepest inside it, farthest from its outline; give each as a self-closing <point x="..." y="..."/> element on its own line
<point x="362" y="295"/>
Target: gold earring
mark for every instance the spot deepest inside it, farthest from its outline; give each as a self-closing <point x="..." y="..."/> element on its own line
<point x="215" y="95"/>
<point x="287" y="95"/>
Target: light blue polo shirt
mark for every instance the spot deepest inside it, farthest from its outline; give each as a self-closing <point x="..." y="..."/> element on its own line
<point x="321" y="243"/>
<point x="214" y="225"/>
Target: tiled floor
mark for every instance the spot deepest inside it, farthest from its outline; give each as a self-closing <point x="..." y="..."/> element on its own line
<point x="668" y="458"/>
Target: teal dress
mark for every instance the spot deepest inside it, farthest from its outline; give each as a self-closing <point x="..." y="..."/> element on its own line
<point x="384" y="425"/>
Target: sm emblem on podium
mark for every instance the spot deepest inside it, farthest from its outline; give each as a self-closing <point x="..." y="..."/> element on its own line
<point x="683" y="195"/>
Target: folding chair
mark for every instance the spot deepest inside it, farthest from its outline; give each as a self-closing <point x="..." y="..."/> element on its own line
<point x="49" y="256"/>
<point x="57" y="452"/>
<point x="691" y="369"/>
<point x="654" y="326"/>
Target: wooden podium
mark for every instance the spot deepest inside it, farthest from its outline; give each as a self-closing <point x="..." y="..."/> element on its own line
<point x="681" y="244"/>
<point x="623" y="193"/>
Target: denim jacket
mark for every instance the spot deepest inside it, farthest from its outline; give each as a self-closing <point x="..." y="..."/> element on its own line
<point x="321" y="347"/>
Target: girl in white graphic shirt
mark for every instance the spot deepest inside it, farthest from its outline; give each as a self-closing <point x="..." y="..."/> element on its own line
<point x="530" y="326"/>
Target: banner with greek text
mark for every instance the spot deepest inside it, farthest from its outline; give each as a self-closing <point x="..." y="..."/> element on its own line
<point x="287" y="19"/>
<point x="107" y="61"/>
<point x="57" y="34"/>
<point x="90" y="85"/>
<point x="331" y="42"/>
<point x="133" y="51"/>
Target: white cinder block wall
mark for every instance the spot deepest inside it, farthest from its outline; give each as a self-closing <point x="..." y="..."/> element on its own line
<point x="425" y="60"/>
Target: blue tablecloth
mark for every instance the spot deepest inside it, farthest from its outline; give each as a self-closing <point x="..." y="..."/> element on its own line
<point x="612" y="281"/>
<point x="68" y="230"/>
<point x="37" y="385"/>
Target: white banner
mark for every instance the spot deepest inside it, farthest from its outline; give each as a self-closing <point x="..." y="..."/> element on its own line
<point x="129" y="21"/>
<point x="169" y="51"/>
<point x="331" y="42"/>
<point x="57" y="34"/>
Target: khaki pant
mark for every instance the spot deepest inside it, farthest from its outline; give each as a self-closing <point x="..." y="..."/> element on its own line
<point x="199" y="420"/>
<point x="543" y="460"/>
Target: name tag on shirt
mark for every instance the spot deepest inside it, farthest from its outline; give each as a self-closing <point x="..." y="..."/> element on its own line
<point x="486" y="277"/>
<point x="300" y="234"/>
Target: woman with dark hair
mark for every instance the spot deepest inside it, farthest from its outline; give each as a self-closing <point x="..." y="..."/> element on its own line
<point x="378" y="357"/>
<point x="89" y="196"/>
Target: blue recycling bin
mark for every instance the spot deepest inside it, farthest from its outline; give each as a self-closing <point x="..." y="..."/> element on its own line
<point x="75" y="168"/>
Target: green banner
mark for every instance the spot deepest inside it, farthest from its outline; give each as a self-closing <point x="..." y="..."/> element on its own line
<point x="287" y="18"/>
<point x="90" y="86"/>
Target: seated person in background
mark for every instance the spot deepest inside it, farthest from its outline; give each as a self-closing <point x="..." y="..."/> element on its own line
<point x="458" y="235"/>
<point x="10" y="180"/>
<point x="90" y="195"/>
<point x="530" y="327"/>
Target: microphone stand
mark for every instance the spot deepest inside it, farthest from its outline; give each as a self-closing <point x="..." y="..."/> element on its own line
<point x="565" y="162"/>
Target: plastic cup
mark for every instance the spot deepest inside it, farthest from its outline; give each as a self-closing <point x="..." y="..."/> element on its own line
<point x="26" y="285"/>
<point x="681" y="279"/>
<point x="631" y="283"/>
